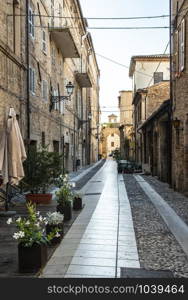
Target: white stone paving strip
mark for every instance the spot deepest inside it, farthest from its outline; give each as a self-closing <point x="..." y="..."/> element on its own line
<point x="61" y="258"/>
<point x="127" y="247"/>
<point x="95" y="245"/>
<point x="178" y="228"/>
<point x="76" y="178"/>
<point x="85" y="172"/>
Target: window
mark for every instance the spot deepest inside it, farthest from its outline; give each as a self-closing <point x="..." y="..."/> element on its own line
<point x="112" y="144"/>
<point x="44" y="47"/>
<point x="60" y="15"/>
<point x="56" y="146"/>
<point x="16" y="20"/>
<point x="158" y="77"/>
<point x="43" y="140"/>
<point x="44" y="90"/>
<point x="112" y="134"/>
<point x="56" y="104"/>
<point x="52" y="13"/>
<point x="62" y="103"/>
<point x="182" y="46"/>
<point x="32" y="80"/>
<point x="31" y="23"/>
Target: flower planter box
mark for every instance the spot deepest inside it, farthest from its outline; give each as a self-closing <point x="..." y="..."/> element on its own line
<point x="66" y="211"/>
<point x="31" y="259"/>
<point x="50" y="228"/>
<point x="39" y="198"/>
<point x="77" y="203"/>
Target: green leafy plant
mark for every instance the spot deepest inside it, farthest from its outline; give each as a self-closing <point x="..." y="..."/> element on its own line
<point x="64" y="194"/>
<point x="31" y="229"/>
<point x="41" y="170"/>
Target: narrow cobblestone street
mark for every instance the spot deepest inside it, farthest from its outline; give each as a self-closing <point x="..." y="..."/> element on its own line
<point x="119" y="227"/>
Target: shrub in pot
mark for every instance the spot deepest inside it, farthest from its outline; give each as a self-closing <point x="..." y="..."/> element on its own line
<point x="64" y="198"/>
<point x="55" y="222"/>
<point x="32" y="240"/>
<point x="41" y="169"/>
<point x="77" y="202"/>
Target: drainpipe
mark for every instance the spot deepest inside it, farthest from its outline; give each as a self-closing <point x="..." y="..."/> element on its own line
<point x="27" y="87"/>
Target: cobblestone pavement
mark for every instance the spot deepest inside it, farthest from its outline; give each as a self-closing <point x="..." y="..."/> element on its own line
<point x="177" y="201"/>
<point x="157" y="247"/>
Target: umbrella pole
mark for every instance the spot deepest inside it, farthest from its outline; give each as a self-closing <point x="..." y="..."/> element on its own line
<point x="6" y="201"/>
<point x="7" y="212"/>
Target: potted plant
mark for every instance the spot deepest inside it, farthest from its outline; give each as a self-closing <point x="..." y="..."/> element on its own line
<point x="77" y="201"/>
<point x="55" y="221"/>
<point x="32" y="246"/>
<point x="64" y="198"/>
<point x="41" y="170"/>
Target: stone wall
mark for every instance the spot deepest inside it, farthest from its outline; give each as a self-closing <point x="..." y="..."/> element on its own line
<point x="58" y="128"/>
<point x="180" y="104"/>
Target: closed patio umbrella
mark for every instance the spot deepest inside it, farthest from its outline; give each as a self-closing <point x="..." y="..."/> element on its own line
<point x="12" y="151"/>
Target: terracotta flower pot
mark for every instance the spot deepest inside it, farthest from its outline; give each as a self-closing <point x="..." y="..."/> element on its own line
<point x="39" y="198"/>
<point x="77" y="203"/>
<point x="50" y="228"/>
<point x="31" y="259"/>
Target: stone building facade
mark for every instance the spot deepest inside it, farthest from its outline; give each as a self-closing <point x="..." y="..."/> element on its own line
<point x="12" y="63"/>
<point x="148" y="133"/>
<point x="52" y="49"/>
<point x="126" y="124"/>
<point x="147" y="70"/>
<point x="179" y="42"/>
<point x="156" y="143"/>
<point x="110" y="136"/>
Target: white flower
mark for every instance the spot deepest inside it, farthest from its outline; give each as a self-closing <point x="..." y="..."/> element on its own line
<point x="57" y="234"/>
<point x="27" y="223"/>
<point x="37" y="224"/>
<point x="21" y="234"/>
<point x="16" y="235"/>
<point x="55" y="218"/>
<point x="40" y="218"/>
<point x="38" y="213"/>
<point x="18" y="220"/>
<point x="9" y="221"/>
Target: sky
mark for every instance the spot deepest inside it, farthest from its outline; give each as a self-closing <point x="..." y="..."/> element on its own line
<point x="121" y="45"/>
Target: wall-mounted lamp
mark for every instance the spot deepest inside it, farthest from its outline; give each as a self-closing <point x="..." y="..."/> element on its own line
<point x="56" y="99"/>
<point x="176" y="123"/>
